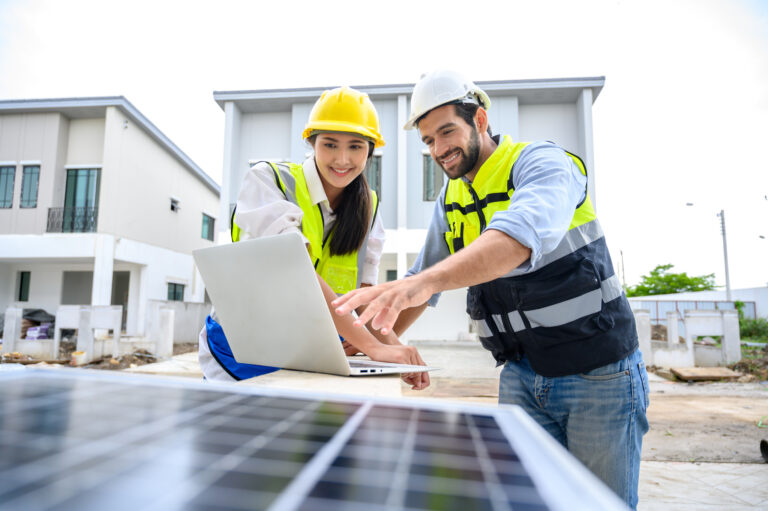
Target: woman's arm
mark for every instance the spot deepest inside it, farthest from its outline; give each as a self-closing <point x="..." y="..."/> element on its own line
<point x="363" y="340"/>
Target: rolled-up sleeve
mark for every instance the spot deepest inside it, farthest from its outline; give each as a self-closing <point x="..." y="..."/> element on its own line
<point x="262" y="209"/>
<point x="548" y="188"/>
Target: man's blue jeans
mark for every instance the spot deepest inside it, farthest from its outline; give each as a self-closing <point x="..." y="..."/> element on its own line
<point x="598" y="416"/>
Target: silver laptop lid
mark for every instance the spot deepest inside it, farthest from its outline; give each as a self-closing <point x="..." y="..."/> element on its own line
<point x="270" y="304"/>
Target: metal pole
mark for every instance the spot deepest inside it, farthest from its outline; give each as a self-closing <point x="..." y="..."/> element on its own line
<point x="725" y="256"/>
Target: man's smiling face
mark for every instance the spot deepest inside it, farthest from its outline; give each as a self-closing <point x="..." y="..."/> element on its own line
<point x="453" y="143"/>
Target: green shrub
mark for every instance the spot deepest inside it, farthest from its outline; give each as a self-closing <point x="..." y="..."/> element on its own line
<point x="754" y="328"/>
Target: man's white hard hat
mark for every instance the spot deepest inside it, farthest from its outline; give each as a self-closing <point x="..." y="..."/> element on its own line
<point x="440" y="87"/>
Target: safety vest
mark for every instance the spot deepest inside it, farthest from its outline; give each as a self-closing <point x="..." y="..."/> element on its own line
<point x="568" y="316"/>
<point x="341" y="272"/>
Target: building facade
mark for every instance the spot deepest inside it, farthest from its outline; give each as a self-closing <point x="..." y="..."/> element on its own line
<point x="267" y="125"/>
<point x="98" y="207"/>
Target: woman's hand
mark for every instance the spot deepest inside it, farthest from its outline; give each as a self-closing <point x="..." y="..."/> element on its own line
<point x="399" y="354"/>
<point x="349" y="349"/>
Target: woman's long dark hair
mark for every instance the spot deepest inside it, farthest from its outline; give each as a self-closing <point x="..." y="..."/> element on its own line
<point x="353" y="214"/>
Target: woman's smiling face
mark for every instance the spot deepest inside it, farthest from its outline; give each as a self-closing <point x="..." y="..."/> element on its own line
<point x="340" y="158"/>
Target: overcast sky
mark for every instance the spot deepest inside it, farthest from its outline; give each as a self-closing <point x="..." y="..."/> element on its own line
<point x="683" y="116"/>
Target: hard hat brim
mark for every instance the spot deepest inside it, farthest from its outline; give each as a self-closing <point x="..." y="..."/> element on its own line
<point x="482" y="97"/>
<point x="343" y="127"/>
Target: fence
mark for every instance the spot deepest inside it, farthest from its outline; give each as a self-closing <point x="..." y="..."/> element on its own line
<point x="658" y="309"/>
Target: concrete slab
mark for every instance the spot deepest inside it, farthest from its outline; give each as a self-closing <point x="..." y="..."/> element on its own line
<point x="385" y="385"/>
<point x="184" y="365"/>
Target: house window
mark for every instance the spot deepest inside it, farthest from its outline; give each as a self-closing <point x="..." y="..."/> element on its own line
<point x="23" y="287"/>
<point x="433" y="178"/>
<point x="175" y="204"/>
<point x="30" y="179"/>
<point x="208" y="227"/>
<point x="175" y="292"/>
<point x="81" y="200"/>
<point x="7" y="175"/>
<point x="391" y="275"/>
<point x="373" y="174"/>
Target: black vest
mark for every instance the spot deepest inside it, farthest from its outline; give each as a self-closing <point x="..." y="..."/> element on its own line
<point x="568" y="317"/>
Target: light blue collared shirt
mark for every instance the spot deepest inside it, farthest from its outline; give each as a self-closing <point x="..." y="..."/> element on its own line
<point x="548" y="189"/>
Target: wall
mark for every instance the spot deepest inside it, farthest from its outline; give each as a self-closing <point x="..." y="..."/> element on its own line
<point x="299" y="116"/>
<point x="7" y="283"/>
<point x="387" y="110"/>
<point x="556" y="123"/>
<point x="85" y="144"/>
<point x="45" y="286"/>
<point x="263" y="136"/>
<point x="137" y="181"/>
<point x="76" y="287"/>
<point x="30" y="139"/>
<point x="189" y="318"/>
<point x="504" y="116"/>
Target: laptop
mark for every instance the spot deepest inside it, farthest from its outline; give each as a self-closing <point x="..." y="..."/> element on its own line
<point x="272" y="309"/>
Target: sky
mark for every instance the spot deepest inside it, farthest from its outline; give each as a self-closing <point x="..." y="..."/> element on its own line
<point x="682" y="118"/>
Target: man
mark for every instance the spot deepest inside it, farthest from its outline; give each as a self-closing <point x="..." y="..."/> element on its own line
<point x="516" y="225"/>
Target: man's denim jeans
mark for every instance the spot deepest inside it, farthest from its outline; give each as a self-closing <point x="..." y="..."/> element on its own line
<point x="598" y="416"/>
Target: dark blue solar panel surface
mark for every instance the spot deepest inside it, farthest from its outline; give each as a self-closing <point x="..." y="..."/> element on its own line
<point x="69" y="441"/>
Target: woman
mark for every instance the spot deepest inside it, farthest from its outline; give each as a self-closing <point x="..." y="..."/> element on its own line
<point x="327" y="200"/>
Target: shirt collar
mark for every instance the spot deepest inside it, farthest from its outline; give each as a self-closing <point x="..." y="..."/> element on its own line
<point x="314" y="185"/>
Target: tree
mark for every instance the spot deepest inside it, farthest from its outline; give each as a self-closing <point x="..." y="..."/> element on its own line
<point x="661" y="282"/>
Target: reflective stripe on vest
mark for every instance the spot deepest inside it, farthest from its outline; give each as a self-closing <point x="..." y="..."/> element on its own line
<point x="341" y="272"/>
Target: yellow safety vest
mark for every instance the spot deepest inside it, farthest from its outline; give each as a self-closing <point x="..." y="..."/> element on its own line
<point x="341" y="272"/>
<point x="470" y="206"/>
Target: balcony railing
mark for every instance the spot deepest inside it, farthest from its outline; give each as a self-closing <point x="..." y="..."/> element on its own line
<point x="72" y="219"/>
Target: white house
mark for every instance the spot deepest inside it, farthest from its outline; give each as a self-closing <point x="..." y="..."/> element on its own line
<point x="267" y="125"/>
<point x="98" y="207"/>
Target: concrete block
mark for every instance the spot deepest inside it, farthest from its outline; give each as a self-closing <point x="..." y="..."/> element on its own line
<point x="643" y="325"/>
<point x="189" y="318"/>
<point x="164" y="334"/>
<point x="109" y="317"/>
<point x="672" y="330"/>
<point x="12" y="329"/>
<point x="85" y="334"/>
<point x="731" y="341"/>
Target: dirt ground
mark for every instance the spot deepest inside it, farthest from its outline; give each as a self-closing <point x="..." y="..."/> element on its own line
<point x="138" y="357"/>
<point x="67" y="347"/>
<point x="698" y="422"/>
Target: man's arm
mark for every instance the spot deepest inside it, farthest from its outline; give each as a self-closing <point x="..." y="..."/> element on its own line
<point x="548" y="186"/>
<point x="491" y="256"/>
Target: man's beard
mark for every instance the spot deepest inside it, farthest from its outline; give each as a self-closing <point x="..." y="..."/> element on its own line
<point x="468" y="158"/>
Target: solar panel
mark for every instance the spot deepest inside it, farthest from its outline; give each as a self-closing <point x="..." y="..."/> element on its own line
<point x="73" y="439"/>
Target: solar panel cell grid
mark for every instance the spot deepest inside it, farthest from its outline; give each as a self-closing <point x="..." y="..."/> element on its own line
<point x="73" y="442"/>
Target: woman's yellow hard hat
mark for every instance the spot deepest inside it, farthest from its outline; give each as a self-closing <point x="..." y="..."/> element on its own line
<point x="347" y="110"/>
